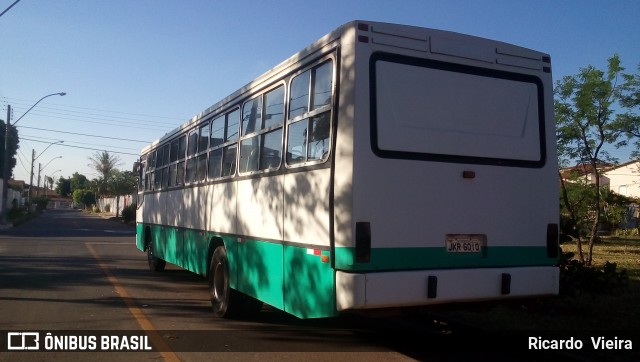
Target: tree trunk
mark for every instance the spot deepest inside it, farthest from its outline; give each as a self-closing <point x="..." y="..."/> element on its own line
<point x="572" y="215"/>
<point x="596" y="221"/>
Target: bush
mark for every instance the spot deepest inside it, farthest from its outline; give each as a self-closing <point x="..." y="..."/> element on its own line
<point x="15" y="211"/>
<point x="129" y="213"/>
<point x="96" y="209"/>
<point x="576" y="278"/>
<point x="107" y="208"/>
<point x="41" y="202"/>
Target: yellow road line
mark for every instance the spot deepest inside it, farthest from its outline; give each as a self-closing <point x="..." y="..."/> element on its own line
<point x="144" y="322"/>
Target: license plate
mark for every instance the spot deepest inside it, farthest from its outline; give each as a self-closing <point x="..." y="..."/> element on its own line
<point x="465" y="243"/>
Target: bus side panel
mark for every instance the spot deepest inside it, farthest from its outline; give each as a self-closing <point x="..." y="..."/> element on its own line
<point x="260" y="207"/>
<point x="194" y="242"/>
<point x="148" y="207"/>
<point x="308" y="283"/>
<point x="173" y="234"/>
<point x="259" y="262"/>
<point x="222" y="208"/>
<point x="144" y="216"/>
<point x="306" y="214"/>
<point x="195" y="251"/>
<point x="344" y="140"/>
<point x="167" y="242"/>
<point x="194" y="213"/>
<point x="260" y="272"/>
<point x="140" y="236"/>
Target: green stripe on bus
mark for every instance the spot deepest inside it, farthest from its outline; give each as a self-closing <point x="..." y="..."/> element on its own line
<point x="439" y="258"/>
<point x="298" y="280"/>
<point x="309" y="283"/>
<point x="260" y="272"/>
<point x="139" y="236"/>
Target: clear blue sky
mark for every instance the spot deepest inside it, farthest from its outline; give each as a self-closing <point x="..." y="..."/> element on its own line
<point x="136" y="69"/>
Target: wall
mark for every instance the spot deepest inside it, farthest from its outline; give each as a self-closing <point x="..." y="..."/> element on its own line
<point x="12" y="194"/>
<point x="625" y="180"/>
<point x="124" y="201"/>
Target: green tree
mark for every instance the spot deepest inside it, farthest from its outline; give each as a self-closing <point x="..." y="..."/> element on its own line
<point x="48" y="182"/>
<point x="13" y="146"/>
<point x="84" y="197"/>
<point x="122" y="183"/>
<point x="629" y="121"/>
<point x="586" y="122"/>
<point x="78" y="181"/>
<point x="105" y="164"/>
<point x="63" y="187"/>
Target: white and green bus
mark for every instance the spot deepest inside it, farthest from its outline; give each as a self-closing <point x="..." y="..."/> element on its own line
<point x="383" y="166"/>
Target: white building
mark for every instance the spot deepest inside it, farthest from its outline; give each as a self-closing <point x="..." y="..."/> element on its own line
<point x="624" y="179"/>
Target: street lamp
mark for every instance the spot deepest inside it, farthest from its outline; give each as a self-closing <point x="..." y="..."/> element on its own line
<point x="33" y="160"/>
<point x="5" y="168"/>
<point x="40" y="169"/>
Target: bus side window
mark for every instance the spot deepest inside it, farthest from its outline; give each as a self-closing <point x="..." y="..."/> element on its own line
<point x="229" y="160"/>
<point x="182" y="149"/>
<point x="319" y="128"/>
<point x="222" y="152"/>
<point x="299" y="97"/>
<point x="322" y="86"/>
<point x="262" y="151"/>
<point x="308" y="139"/>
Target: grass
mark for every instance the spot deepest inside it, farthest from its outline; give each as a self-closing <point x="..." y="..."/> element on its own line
<point x="580" y="313"/>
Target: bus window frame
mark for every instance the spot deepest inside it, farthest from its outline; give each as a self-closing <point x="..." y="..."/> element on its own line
<point x="311" y="113"/>
<point x="261" y="132"/>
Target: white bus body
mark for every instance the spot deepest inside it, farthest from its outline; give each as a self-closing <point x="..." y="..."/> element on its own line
<point x="420" y="169"/>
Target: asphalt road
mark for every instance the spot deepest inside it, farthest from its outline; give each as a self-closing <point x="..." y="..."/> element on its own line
<point x="74" y="274"/>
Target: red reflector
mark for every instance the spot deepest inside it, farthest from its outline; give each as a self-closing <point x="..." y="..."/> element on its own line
<point x="469" y="174"/>
<point x="317" y="252"/>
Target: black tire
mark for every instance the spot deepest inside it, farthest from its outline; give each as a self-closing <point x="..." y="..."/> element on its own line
<point x="155" y="264"/>
<point x="225" y="301"/>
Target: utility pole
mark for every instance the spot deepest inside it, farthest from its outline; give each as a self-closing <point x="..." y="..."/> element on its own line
<point x="38" y="189"/>
<point x="33" y="159"/>
<point x="5" y="169"/>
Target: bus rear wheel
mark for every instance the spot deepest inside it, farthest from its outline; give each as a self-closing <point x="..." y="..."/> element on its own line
<point x="225" y="301"/>
<point x="155" y="264"/>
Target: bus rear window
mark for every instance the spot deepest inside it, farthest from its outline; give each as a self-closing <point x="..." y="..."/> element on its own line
<point x="429" y="110"/>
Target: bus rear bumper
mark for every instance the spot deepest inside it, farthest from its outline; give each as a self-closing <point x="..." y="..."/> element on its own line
<point x="424" y="287"/>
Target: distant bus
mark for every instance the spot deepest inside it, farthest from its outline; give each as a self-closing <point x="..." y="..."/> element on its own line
<point x="383" y="166"/>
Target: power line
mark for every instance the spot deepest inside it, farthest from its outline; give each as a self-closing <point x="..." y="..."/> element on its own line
<point x="148" y="122"/>
<point x="20" y="159"/>
<point x="84" y="134"/>
<point x="80" y="143"/>
<point x="27" y="102"/>
<point x="85" y="148"/>
<point x="45" y="111"/>
<point x="110" y="122"/>
<point x="9" y="8"/>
